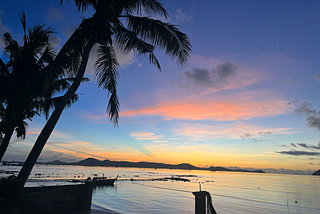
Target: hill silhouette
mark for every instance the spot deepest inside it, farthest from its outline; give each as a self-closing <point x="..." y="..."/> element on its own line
<point x="96" y="162"/>
<point x="316" y="173"/>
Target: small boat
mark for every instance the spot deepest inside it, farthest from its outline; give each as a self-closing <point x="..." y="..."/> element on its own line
<point x="103" y="181"/>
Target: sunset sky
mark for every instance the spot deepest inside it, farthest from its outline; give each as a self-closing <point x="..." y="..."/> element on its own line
<point x="249" y="95"/>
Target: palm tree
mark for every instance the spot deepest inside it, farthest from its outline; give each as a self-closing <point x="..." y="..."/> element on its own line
<point x="117" y="21"/>
<point x="23" y="82"/>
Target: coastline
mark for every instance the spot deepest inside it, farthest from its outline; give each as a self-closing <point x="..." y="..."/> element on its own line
<point x="108" y="163"/>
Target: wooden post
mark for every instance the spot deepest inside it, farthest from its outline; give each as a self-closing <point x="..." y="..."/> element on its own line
<point x="200" y="204"/>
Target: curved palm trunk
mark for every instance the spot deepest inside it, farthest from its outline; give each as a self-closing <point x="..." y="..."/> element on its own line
<point x="6" y="140"/>
<point x="48" y="128"/>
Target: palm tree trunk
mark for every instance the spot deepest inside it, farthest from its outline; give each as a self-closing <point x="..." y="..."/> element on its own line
<point x="6" y="140"/>
<point x="48" y="128"/>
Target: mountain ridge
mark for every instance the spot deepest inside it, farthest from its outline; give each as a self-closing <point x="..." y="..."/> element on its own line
<point x="316" y="173"/>
<point x="143" y="164"/>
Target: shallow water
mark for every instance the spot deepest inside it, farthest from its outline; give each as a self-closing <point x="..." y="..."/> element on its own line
<point x="232" y="192"/>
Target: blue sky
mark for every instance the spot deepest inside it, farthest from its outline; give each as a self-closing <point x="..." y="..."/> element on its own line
<point x="248" y="96"/>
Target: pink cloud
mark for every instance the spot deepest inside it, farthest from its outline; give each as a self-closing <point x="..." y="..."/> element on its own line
<point x="243" y="105"/>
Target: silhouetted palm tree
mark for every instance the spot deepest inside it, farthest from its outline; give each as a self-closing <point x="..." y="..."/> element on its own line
<point x="113" y="21"/>
<point x="24" y="93"/>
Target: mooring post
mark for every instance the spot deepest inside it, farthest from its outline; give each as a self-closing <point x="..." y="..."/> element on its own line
<point x="200" y="205"/>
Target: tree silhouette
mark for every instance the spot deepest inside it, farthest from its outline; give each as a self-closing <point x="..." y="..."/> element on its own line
<point x="113" y="21"/>
<point x="25" y="89"/>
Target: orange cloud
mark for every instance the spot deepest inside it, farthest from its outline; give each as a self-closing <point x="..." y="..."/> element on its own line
<point x="231" y="107"/>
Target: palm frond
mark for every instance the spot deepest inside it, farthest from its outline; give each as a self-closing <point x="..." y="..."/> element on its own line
<point x="46" y="106"/>
<point x="82" y="5"/>
<point x="12" y="48"/>
<point x="46" y="57"/>
<point x="23" y="21"/>
<point x="166" y="36"/>
<point x="21" y="129"/>
<point x="148" y="6"/>
<point x="107" y="74"/>
<point x="129" y="41"/>
<point x="38" y="37"/>
<point x="3" y="69"/>
<point x="68" y="59"/>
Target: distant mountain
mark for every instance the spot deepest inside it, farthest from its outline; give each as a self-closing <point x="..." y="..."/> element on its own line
<point x="233" y="170"/>
<point x="218" y="168"/>
<point x="90" y="162"/>
<point x="95" y="162"/>
<point x="55" y="162"/>
<point x="317" y="173"/>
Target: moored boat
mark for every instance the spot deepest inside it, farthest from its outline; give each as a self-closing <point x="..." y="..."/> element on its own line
<point x="102" y="181"/>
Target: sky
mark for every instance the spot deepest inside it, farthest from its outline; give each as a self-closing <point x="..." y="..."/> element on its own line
<point x="248" y="97"/>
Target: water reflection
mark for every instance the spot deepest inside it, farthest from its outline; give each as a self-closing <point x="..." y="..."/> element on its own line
<point x="149" y="192"/>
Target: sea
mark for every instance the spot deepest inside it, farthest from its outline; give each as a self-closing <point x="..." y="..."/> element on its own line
<point x="139" y="190"/>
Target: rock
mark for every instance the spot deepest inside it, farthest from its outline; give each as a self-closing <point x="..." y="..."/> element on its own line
<point x="317" y="172"/>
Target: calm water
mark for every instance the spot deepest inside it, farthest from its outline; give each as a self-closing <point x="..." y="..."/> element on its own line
<point x="231" y="192"/>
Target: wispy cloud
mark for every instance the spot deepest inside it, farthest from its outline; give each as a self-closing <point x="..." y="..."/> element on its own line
<point x="243" y="105"/>
<point x="303" y="152"/>
<point x="182" y="17"/>
<point x="299" y="153"/>
<point x="55" y="134"/>
<point x="82" y="150"/>
<point x="307" y="146"/>
<point x="78" y="149"/>
<point x="238" y="130"/>
<point x="145" y="136"/>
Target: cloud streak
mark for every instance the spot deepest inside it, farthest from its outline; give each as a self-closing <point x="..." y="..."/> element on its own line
<point x="299" y="153"/>
<point x="82" y="150"/>
<point x="145" y="136"/>
<point x="227" y="108"/>
<point x="238" y="130"/>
